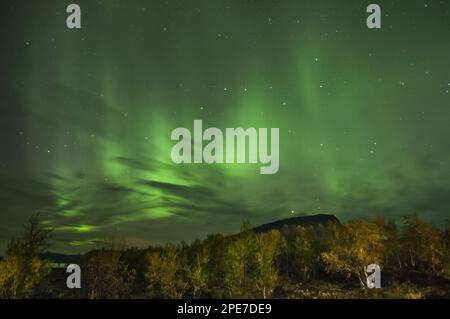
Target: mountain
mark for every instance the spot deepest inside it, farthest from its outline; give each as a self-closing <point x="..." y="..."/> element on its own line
<point x="305" y="221"/>
<point x="57" y="258"/>
<point x="61" y="258"/>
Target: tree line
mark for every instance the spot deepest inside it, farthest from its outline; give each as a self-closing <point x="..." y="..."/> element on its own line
<point x="248" y="265"/>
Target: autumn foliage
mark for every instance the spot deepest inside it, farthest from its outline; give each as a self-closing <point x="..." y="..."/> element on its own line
<point x="289" y="263"/>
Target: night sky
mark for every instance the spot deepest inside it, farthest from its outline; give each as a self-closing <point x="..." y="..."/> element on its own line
<point x="86" y="115"/>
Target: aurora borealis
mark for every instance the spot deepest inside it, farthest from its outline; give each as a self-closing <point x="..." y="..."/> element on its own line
<point x="86" y="115"/>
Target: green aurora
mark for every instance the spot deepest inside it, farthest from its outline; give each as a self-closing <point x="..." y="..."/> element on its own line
<point x="86" y="115"/>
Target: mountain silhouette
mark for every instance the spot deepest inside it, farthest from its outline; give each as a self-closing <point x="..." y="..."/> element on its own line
<point x="60" y="258"/>
<point x="304" y="221"/>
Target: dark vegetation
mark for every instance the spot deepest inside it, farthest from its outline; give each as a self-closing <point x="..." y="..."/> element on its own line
<point x="306" y="257"/>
